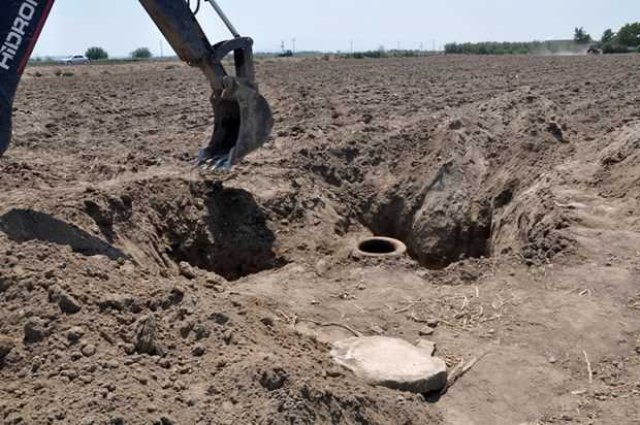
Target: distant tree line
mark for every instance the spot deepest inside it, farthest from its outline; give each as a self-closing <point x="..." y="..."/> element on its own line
<point x="381" y="52"/>
<point x="377" y="54"/>
<point x="508" y="48"/>
<point x="625" y="40"/>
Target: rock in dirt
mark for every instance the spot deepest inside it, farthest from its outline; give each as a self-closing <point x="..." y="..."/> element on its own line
<point x="273" y="379"/>
<point x="187" y="270"/>
<point x="120" y="302"/>
<point x="392" y="363"/>
<point x="75" y="334"/>
<point x="175" y="297"/>
<point x="215" y="279"/>
<point x="426" y="331"/>
<point x="198" y="350"/>
<point x="68" y="304"/>
<point x="117" y="420"/>
<point x="268" y="321"/>
<point x="6" y="345"/>
<point x="146" y="337"/>
<point x="5" y="283"/>
<point x="88" y="350"/>
<point x="34" y="331"/>
<point x="322" y="266"/>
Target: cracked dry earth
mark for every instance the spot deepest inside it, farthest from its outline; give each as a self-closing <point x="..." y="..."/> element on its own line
<point x="135" y="290"/>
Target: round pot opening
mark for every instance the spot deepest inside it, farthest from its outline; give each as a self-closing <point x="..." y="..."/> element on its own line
<point x="380" y="247"/>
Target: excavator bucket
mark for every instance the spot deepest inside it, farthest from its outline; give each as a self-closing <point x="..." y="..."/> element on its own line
<point x="243" y="119"/>
<point x="243" y="123"/>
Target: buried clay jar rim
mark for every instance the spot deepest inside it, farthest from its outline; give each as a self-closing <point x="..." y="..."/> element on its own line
<point x="380" y="246"/>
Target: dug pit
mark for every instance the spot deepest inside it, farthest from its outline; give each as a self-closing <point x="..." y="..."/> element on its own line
<point x="441" y="221"/>
<point x="169" y="221"/>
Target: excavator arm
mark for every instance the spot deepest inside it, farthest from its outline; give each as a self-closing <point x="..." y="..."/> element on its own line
<point x="242" y="117"/>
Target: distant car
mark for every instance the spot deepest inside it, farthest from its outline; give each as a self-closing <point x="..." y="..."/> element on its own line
<point x="75" y="60"/>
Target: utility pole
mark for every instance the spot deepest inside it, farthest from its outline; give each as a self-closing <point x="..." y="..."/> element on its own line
<point x="293" y="43"/>
<point x="282" y="46"/>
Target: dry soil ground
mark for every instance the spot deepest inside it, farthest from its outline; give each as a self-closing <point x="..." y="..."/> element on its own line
<point x="515" y="183"/>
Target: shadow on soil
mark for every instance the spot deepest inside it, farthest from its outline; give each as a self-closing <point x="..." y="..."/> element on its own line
<point x="236" y="240"/>
<point x="22" y="225"/>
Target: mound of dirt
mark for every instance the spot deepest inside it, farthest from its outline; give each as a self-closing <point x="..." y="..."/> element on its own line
<point x="461" y="184"/>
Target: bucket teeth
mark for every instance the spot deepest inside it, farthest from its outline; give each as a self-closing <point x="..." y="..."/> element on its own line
<point x="212" y="163"/>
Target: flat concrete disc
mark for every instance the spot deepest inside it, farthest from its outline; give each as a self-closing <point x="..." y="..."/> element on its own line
<point x="391" y="362"/>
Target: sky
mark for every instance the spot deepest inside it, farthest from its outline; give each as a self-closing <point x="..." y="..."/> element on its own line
<point x="120" y="26"/>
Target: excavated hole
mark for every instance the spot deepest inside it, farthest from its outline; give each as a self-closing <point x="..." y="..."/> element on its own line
<point x="213" y="228"/>
<point x="436" y="234"/>
<point x="438" y="249"/>
<point x="229" y="237"/>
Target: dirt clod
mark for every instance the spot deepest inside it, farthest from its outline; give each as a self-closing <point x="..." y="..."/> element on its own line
<point x="187" y="270"/>
<point x="6" y="345"/>
<point x="146" y="338"/>
<point x="273" y="379"/>
<point x="88" y="350"/>
<point x="68" y="304"/>
<point x="34" y="331"/>
<point x="75" y="334"/>
<point x="426" y="331"/>
<point x="198" y="350"/>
